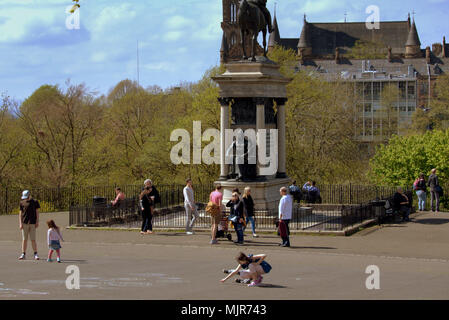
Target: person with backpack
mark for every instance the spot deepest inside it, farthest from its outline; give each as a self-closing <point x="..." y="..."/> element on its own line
<point x="435" y="188"/>
<point x="420" y="187"/>
<point x="215" y="209"/>
<point x="250" y="267"/>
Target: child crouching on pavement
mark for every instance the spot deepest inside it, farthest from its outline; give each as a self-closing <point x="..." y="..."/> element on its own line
<point x="250" y="267"/>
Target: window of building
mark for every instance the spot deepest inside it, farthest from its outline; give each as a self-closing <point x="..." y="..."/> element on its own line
<point x="411" y="108"/>
<point x="368" y="107"/>
<point x="233" y="12"/>
<point x="411" y="90"/>
<point x="368" y="126"/>
<point x="233" y="39"/>
<point x="402" y="89"/>
<point x="376" y="90"/>
<point x="367" y="90"/>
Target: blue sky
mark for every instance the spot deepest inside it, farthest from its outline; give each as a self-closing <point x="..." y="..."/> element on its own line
<point x="179" y="39"/>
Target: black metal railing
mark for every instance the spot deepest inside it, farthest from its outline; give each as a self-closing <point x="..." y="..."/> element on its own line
<point x="61" y="199"/>
<point x="313" y="218"/>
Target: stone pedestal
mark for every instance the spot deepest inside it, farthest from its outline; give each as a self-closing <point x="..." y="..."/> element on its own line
<point x="264" y="193"/>
<point x="253" y="96"/>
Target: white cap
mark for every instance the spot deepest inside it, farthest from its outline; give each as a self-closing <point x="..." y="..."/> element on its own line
<point x="25" y="194"/>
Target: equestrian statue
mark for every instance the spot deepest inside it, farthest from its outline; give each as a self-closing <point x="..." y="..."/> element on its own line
<point x="254" y="17"/>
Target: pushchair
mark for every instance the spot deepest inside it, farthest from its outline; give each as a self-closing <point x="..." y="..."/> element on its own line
<point x="223" y="228"/>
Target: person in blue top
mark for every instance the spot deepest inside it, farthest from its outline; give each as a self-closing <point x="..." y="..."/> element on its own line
<point x="313" y="193"/>
<point x="250" y="267"/>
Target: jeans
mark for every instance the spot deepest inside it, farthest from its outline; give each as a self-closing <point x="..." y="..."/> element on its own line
<point x="405" y="212"/>
<point x="147" y="223"/>
<point x="435" y="200"/>
<point x="191" y="216"/>
<point x="253" y="224"/>
<point x="238" y="227"/>
<point x="421" y="199"/>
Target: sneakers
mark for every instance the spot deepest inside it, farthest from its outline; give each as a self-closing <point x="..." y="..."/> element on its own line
<point x="36" y="257"/>
<point x="255" y="235"/>
<point x="253" y="284"/>
<point x="226" y="271"/>
<point x="49" y="260"/>
<point x="59" y="260"/>
<point x="189" y="233"/>
<point x="213" y="242"/>
<point x="244" y="281"/>
<point x="22" y="256"/>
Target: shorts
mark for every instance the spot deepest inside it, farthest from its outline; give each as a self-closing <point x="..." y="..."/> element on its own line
<point x="252" y="268"/>
<point x="215" y="219"/>
<point x="54" y="245"/>
<point x="29" y="231"/>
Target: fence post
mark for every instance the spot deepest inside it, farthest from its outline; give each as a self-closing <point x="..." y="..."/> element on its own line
<point x="6" y="200"/>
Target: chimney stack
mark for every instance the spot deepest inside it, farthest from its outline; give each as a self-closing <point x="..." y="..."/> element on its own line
<point x="443" y="51"/>
<point x="428" y="55"/>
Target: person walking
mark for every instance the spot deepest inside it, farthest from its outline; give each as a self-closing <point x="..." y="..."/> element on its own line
<point x="190" y="206"/>
<point x="53" y="240"/>
<point x="28" y="222"/>
<point x="248" y="204"/>
<point x="434" y="184"/>
<point x="285" y="216"/>
<point x="146" y="206"/>
<point x="421" y="191"/>
<point x="237" y="216"/>
<point x="216" y="197"/>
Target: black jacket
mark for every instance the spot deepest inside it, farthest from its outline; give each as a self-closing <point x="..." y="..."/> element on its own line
<point x="236" y="208"/>
<point x="248" y="202"/>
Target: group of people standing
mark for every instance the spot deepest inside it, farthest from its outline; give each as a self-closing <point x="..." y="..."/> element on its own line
<point x="241" y="212"/>
<point x="420" y="186"/>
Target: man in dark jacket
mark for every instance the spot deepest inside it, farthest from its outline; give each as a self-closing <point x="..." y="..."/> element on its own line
<point x="402" y="204"/>
<point x="434" y="194"/>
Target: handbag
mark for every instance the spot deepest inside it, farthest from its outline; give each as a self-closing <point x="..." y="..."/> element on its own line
<point x="233" y="218"/>
<point x="265" y="266"/>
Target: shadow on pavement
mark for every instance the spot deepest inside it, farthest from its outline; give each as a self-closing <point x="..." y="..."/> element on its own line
<point x="435" y="221"/>
<point x="73" y="261"/>
<point x="273" y="286"/>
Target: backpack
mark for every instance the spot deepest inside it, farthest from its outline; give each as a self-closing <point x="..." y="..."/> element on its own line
<point x="213" y="209"/>
<point x="415" y="184"/>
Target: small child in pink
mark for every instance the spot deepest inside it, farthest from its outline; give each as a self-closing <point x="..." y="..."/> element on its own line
<point x="53" y="239"/>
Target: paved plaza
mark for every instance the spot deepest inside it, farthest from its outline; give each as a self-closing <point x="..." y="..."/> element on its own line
<point x="413" y="259"/>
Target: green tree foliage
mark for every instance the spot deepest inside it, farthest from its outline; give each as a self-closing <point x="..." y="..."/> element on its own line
<point x="12" y="142"/>
<point x="404" y="158"/>
<point x="366" y="50"/>
<point x="437" y="115"/>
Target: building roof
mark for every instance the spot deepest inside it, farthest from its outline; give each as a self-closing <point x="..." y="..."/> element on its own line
<point x="275" y="36"/>
<point x="413" y="38"/>
<point x="398" y="68"/>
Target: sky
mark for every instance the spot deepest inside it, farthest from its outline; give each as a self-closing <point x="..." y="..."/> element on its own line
<point x="178" y="39"/>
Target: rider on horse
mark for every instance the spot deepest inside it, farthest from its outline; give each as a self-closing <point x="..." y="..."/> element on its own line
<point x="262" y="5"/>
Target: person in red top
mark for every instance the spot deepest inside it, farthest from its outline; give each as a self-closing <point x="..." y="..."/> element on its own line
<point x="217" y="198"/>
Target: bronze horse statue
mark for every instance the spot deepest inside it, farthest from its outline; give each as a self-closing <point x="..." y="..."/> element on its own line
<point x="251" y="21"/>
